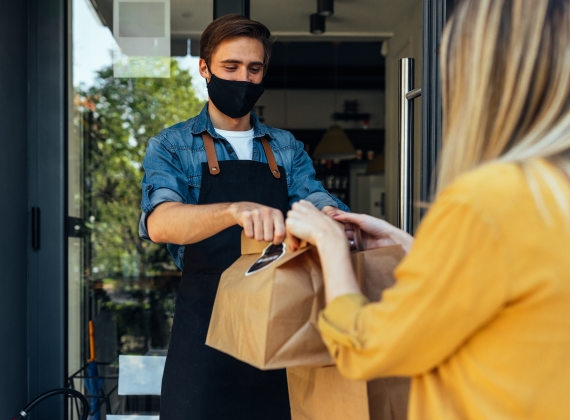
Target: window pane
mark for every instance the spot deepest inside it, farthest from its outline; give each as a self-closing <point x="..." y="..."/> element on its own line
<point x="125" y="285"/>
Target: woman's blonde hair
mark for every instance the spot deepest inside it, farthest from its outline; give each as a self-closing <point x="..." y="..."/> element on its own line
<point x="506" y="85"/>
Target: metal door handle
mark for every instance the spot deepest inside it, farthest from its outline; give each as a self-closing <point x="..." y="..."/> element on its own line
<point x="406" y="142"/>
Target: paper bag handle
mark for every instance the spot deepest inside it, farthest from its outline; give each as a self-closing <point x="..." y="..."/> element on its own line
<point x="358" y="241"/>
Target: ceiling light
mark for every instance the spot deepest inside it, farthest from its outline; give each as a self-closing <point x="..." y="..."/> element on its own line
<point x="335" y="145"/>
<point x="325" y="7"/>
<point x="317" y="24"/>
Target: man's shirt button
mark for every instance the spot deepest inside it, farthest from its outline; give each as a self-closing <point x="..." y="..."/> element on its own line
<point x="231" y="150"/>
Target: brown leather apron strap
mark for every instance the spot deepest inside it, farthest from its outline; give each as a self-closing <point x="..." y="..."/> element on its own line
<point x="270" y="158"/>
<point x="211" y="155"/>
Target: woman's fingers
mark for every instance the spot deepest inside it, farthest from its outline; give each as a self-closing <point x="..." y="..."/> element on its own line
<point x="367" y="223"/>
<point x="293" y="243"/>
<point x="307" y="223"/>
<point x="297" y="224"/>
<point x="375" y="232"/>
<point x="353" y="218"/>
<point x="303" y="221"/>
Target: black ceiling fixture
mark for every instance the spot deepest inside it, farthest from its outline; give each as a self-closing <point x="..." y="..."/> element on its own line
<point x="317" y="24"/>
<point x="226" y="7"/>
<point x="310" y="65"/>
<point x="325" y="7"/>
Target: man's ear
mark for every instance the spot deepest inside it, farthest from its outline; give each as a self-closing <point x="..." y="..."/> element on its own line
<point x="203" y="67"/>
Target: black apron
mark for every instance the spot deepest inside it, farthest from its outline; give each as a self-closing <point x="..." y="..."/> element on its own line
<point x="199" y="382"/>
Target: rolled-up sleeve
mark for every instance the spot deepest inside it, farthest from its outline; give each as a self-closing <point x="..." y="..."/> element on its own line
<point x="164" y="179"/>
<point x="323" y="199"/>
<point x="304" y="186"/>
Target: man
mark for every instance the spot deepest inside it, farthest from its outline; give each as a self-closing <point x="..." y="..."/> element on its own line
<point x="205" y="180"/>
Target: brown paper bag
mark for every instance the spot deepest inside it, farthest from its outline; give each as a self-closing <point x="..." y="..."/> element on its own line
<point x="266" y="309"/>
<point x="267" y="304"/>
<point x="322" y="393"/>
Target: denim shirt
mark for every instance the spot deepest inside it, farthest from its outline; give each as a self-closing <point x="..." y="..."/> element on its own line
<point x="173" y="167"/>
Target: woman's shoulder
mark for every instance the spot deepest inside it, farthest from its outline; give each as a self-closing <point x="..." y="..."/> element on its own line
<point x="509" y="190"/>
<point x="489" y="184"/>
<point x="494" y="192"/>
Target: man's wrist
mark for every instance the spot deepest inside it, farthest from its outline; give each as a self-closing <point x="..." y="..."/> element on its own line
<point x="230" y="210"/>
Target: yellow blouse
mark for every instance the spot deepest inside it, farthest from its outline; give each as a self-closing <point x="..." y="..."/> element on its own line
<point x="480" y="312"/>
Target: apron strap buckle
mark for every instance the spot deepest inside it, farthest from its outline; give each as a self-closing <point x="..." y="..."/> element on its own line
<point x="270" y="158"/>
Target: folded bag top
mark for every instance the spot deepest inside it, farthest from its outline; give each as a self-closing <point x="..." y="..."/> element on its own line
<point x="251" y="246"/>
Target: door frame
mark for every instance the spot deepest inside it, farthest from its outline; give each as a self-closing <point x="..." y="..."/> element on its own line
<point x="47" y="190"/>
<point x="435" y="14"/>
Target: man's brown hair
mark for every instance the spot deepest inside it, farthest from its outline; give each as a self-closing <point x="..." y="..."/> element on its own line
<point x="231" y="26"/>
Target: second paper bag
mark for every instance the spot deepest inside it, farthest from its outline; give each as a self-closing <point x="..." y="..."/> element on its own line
<point x="322" y="393"/>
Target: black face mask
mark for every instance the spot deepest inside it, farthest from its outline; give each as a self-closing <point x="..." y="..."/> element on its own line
<point x="234" y="99"/>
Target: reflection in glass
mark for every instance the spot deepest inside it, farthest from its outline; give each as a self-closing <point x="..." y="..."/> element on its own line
<point x="142" y="31"/>
<point x="127" y="286"/>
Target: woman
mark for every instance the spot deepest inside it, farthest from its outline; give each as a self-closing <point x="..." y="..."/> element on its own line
<point x="480" y="312"/>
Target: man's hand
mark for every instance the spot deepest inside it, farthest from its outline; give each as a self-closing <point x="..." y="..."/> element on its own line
<point x="184" y="224"/>
<point x="259" y="222"/>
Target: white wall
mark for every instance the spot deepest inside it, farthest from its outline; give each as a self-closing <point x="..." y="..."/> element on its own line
<point x="313" y="109"/>
<point x="407" y="42"/>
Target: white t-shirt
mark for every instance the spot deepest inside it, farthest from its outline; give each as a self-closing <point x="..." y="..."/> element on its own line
<point x="241" y="141"/>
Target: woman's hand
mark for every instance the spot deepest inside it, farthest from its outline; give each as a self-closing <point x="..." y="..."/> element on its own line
<point x="376" y="233"/>
<point x="306" y="222"/>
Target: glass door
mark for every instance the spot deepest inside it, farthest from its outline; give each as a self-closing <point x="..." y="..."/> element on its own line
<point x="122" y="91"/>
<point x="414" y="113"/>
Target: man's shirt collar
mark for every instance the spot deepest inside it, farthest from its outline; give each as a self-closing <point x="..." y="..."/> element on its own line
<point x="203" y="123"/>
